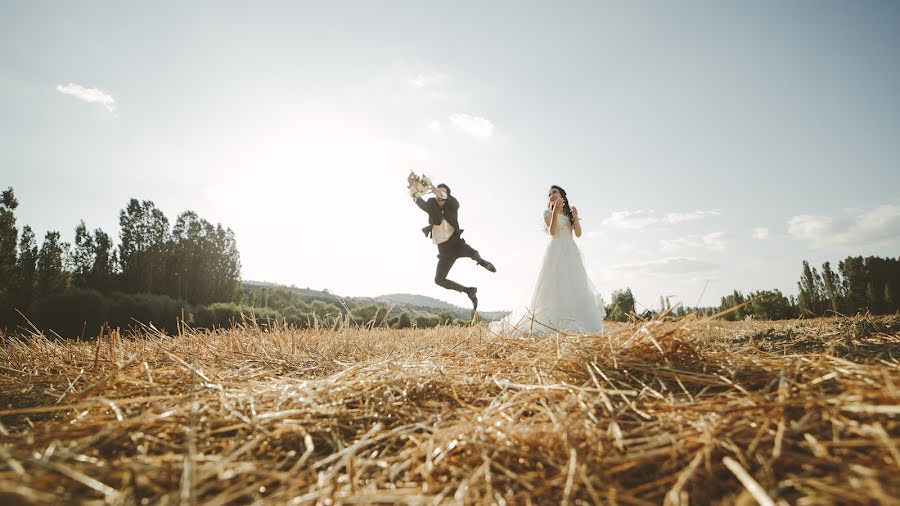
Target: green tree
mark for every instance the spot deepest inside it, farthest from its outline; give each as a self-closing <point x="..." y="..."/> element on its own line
<point x="83" y="254"/>
<point x="770" y="305"/>
<point x="811" y="288"/>
<point x="51" y="276"/>
<point x="445" y="317"/>
<point x="366" y="314"/>
<point x="833" y="289"/>
<point x="8" y="238"/>
<point x="729" y="301"/>
<point x="883" y="276"/>
<point x="227" y="265"/>
<point x="26" y="267"/>
<point x="102" y="275"/>
<point x="621" y="305"/>
<point x="205" y="263"/>
<point x="144" y="230"/>
<point x="423" y="322"/>
<point x="189" y="266"/>
<point x="404" y="322"/>
<point x="855" y="282"/>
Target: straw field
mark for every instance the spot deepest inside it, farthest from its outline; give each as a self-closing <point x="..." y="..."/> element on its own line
<point x="662" y="412"/>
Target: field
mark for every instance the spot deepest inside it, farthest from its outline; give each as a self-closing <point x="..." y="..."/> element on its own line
<point x="676" y="412"/>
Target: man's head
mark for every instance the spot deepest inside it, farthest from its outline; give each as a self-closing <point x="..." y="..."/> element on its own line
<point x="442" y="194"/>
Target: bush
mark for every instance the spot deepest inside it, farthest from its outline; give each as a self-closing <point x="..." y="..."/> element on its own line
<point x="162" y="311"/>
<point x="227" y="314"/>
<point x="425" y="322"/>
<point x="78" y="311"/>
<point x="72" y="313"/>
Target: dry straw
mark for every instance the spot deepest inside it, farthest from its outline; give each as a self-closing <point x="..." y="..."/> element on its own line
<point x="660" y="412"/>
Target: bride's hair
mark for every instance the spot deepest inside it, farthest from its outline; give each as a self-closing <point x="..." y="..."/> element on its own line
<point x="567" y="210"/>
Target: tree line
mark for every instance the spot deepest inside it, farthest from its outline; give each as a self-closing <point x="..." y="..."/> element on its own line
<point x="860" y="285"/>
<point x="157" y="271"/>
<point x="188" y="272"/>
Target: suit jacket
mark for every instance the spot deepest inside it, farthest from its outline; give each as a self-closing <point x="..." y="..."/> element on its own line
<point x="436" y="214"/>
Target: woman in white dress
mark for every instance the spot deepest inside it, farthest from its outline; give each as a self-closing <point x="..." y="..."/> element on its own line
<point x="563" y="299"/>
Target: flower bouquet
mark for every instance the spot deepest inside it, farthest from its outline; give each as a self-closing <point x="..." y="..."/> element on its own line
<point x="419" y="186"/>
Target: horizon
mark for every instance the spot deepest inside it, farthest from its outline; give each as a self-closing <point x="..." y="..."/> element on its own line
<point x="708" y="147"/>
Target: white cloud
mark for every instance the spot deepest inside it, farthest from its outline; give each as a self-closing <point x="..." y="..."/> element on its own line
<point x="636" y="219"/>
<point x="425" y="80"/>
<point x="669" y="266"/>
<point x="623" y="248"/>
<point x="678" y="243"/>
<point x="856" y="228"/>
<point x="714" y="241"/>
<point x="641" y="218"/>
<point x="473" y="125"/>
<point x="883" y="218"/>
<point x="434" y="126"/>
<point x="688" y="216"/>
<point x="807" y="226"/>
<point x="760" y="233"/>
<point x="89" y="95"/>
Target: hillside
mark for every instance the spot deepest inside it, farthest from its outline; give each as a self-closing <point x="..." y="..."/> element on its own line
<point x="423" y="302"/>
<point x="416" y="306"/>
<point x="417" y="300"/>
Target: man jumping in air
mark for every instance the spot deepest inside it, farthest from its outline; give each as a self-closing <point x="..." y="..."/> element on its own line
<point x="443" y="227"/>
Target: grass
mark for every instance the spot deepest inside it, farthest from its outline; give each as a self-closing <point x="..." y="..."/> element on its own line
<point x="699" y="411"/>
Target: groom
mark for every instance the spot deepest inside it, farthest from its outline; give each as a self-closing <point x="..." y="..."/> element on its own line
<point x="443" y="227"/>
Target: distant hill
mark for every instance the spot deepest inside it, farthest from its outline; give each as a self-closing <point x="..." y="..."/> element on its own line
<point x="414" y="305"/>
<point x="416" y="300"/>
<point x="420" y="302"/>
<point x="307" y="293"/>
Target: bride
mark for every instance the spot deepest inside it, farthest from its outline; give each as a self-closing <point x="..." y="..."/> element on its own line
<point x="564" y="299"/>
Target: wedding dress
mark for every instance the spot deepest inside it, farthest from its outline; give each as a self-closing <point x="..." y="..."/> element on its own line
<point x="563" y="298"/>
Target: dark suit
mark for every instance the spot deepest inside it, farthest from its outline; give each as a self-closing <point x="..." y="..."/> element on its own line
<point x="453" y="248"/>
<point x="437" y="213"/>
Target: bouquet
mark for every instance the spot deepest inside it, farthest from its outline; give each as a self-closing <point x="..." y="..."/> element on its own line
<point x="419" y="186"/>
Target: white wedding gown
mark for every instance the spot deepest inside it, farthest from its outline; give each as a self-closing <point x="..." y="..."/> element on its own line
<point x="563" y="299"/>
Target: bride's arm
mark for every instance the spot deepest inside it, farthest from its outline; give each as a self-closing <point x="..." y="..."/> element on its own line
<point x="553" y="225"/>
<point x="576" y="222"/>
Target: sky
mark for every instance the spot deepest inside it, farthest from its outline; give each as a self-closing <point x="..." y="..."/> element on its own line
<point x="709" y="146"/>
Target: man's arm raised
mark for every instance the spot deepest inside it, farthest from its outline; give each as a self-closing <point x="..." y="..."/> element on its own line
<point x="423" y="205"/>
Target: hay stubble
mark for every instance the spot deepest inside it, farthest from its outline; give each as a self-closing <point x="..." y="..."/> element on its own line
<point x="692" y="411"/>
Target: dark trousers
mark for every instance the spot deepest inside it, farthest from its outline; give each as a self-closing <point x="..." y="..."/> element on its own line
<point x="448" y="252"/>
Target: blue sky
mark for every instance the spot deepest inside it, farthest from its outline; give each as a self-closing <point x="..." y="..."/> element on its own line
<point x="706" y="144"/>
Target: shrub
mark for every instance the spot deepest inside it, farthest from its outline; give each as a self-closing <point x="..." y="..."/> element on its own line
<point x="72" y="313"/>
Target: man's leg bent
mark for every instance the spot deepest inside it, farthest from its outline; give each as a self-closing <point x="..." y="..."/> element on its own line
<point x="470" y="252"/>
<point x="443" y="268"/>
<point x="467" y="251"/>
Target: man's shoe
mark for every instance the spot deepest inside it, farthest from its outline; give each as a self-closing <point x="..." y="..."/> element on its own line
<point x="472" y="293"/>
<point x="487" y="265"/>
